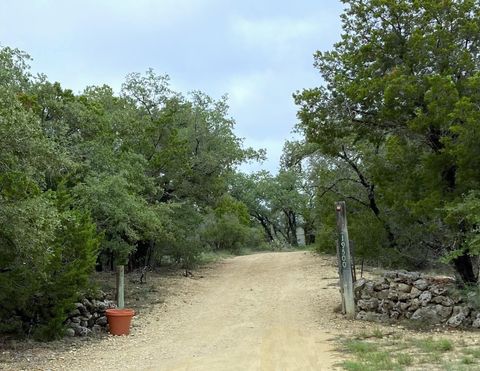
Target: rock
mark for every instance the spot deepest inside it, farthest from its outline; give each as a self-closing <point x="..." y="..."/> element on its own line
<point x="102" y="321"/>
<point x="395" y="315"/>
<point x="368" y="288"/>
<point x="432" y="314"/>
<point x="456" y="297"/>
<point x="87" y="304"/>
<point x="91" y="322"/>
<point x="81" y="331"/>
<point x="382" y="294"/>
<point x="414" y="305"/>
<point x="390" y="275"/>
<point x="81" y="308"/>
<point x="425" y="297"/>
<point x="444" y="300"/>
<point x="407" y="277"/>
<point x="456" y="320"/>
<point x="476" y="322"/>
<point x="101" y="306"/>
<point x="443" y="312"/>
<point x="385" y="306"/>
<point x="70" y="332"/>
<point x="438" y="290"/>
<point x="442" y="280"/>
<point x="460" y="309"/>
<point x="393" y="295"/>
<point x="74" y="313"/>
<point x="426" y="314"/>
<point x="110" y="304"/>
<point x="372" y="317"/>
<point x="402" y="287"/>
<point x="403" y="296"/>
<point x="381" y="285"/>
<point x="368" y="305"/>
<point x="415" y="293"/>
<point x="97" y="329"/>
<point x="366" y="295"/>
<point x="359" y="284"/>
<point x="101" y="295"/>
<point x="421" y="284"/>
<point x="76" y="320"/>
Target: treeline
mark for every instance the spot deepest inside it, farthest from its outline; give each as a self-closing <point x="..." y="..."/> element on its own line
<point x="97" y="179"/>
<point x="395" y="132"/>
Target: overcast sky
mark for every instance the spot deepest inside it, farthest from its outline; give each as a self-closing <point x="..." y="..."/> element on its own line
<point x="258" y="52"/>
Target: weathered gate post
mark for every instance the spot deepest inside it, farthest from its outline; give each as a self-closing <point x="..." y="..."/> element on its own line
<point x="120" y="286"/>
<point x="344" y="261"/>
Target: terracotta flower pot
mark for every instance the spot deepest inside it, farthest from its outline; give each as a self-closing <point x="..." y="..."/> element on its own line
<point x="119" y="321"/>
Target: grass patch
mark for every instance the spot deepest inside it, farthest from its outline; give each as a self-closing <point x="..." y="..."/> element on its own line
<point x="369" y="357"/>
<point x="430" y="345"/>
<point x="375" y="350"/>
<point x="404" y="359"/>
<point x="353" y="366"/>
<point x="469" y="361"/>
<point x="474" y="352"/>
<point x="360" y="347"/>
<point x="374" y="361"/>
<point x="208" y="257"/>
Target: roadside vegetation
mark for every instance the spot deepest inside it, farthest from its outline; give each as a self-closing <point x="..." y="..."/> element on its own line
<point x="144" y="177"/>
<point x="148" y="176"/>
<point x="381" y="349"/>
<point x="393" y="131"/>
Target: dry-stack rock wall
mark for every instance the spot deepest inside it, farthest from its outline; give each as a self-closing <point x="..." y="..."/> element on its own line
<point x="429" y="300"/>
<point x="88" y="317"/>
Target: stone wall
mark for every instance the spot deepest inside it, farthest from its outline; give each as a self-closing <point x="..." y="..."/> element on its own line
<point x="88" y="317"/>
<point x="401" y="295"/>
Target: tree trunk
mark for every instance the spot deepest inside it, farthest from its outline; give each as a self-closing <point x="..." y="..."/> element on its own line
<point x="266" y="226"/>
<point x="464" y="267"/>
<point x="292" y="227"/>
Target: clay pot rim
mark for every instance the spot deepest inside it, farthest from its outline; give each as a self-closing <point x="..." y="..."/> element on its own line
<point x="115" y="312"/>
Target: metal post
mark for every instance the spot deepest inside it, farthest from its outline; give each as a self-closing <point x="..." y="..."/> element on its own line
<point x="344" y="261"/>
<point x="120" y="286"/>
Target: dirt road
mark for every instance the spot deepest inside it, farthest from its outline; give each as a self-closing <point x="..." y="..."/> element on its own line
<point x="271" y="311"/>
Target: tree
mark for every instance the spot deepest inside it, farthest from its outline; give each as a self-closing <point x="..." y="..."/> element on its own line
<point x="404" y="82"/>
<point x="48" y="249"/>
<point x="101" y="179"/>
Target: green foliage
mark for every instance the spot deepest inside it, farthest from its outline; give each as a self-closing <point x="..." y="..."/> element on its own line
<point x="229" y="205"/>
<point x="432" y="345"/>
<point x="227" y="232"/>
<point x="73" y="256"/>
<point x="395" y="129"/>
<point x="278" y="203"/>
<point x="102" y="179"/>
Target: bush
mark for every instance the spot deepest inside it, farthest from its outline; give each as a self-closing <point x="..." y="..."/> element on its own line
<point x="38" y="288"/>
<point x="226" y="232"/>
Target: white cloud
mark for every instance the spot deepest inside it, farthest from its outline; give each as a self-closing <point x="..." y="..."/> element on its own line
<point x="277" y="32"/>
<point x="249" y="88"/>
<point x="274" y="152"/>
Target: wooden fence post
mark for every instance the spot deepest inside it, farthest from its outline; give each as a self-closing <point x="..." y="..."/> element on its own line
<point x="120" y="286"/>
<point x="344" y="261"/>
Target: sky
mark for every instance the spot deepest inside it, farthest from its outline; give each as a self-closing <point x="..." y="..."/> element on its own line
<point x="258" y="52"/>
